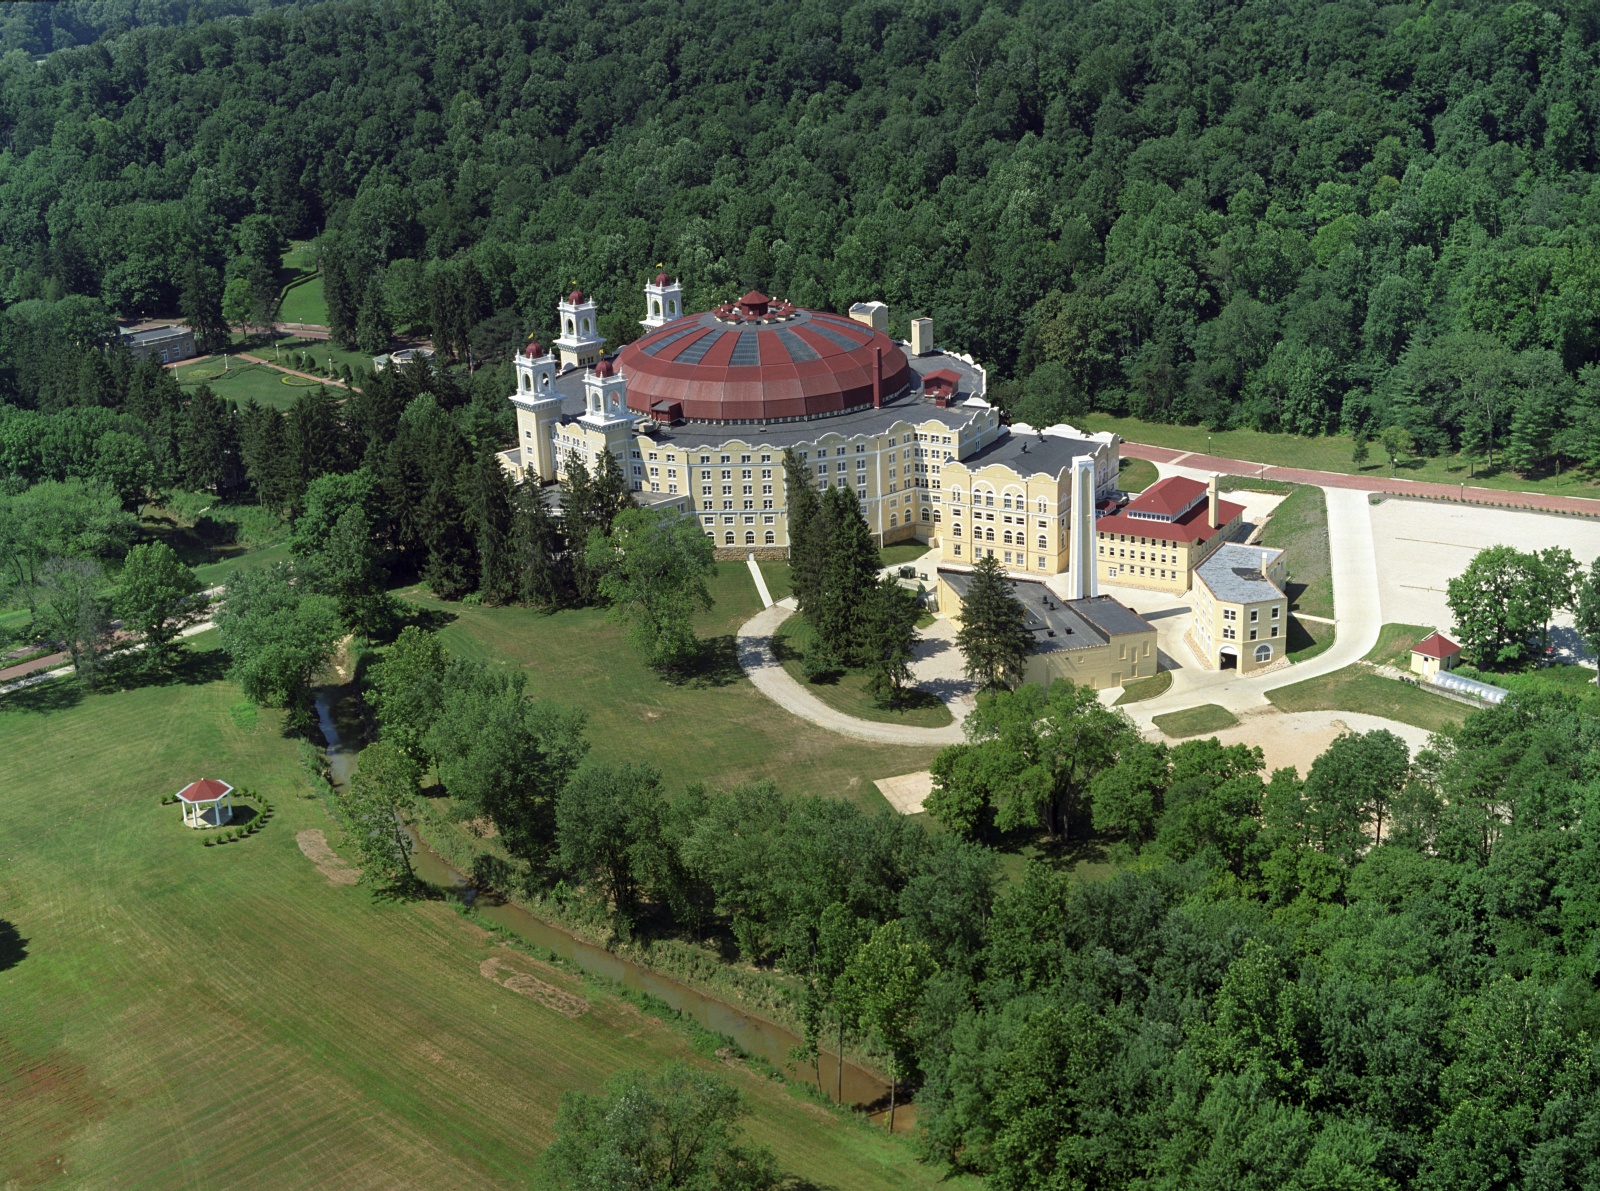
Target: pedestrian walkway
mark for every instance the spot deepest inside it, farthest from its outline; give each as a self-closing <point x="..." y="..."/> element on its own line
<point x="761" y="580"/>
<point x="1545" y="502"/>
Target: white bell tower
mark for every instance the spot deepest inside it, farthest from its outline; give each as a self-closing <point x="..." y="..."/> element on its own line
<point x="538" y="411"/>
<point x="1082" y="581"/>
<point x="663" y="301"/>
<point x="605" y="396"/>
<point x="579" y="342"/>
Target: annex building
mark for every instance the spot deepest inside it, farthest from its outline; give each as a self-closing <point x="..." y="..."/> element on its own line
<point x="1241" y="612"/>
<point x="700" y="410"/>
<point x="1162" y="536"/>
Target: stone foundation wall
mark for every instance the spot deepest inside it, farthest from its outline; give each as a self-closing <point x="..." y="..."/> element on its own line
<point x="762" y="553"/>
<point x="900" y="533"/>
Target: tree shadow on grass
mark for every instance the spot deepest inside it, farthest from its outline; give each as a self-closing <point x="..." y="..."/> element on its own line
<point x="717" y="664"/>
<point x="52" y="695"/>
<point x="190" y="667"/>
<point x="13" y="947"/>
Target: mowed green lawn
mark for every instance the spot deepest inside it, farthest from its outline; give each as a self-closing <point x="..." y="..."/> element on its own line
<point x="243" y="381"/>
<point x="177" y="1015"/>
<point x="1299" y="526"/>
<point x="303" y="302"/>
<point x="715" y="728"/>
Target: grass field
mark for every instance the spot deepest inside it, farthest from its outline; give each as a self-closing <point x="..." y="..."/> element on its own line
<point x="1308" y="638"/>
<point x="1395" y="642"/>
<point x="1145" y="688"/>
<point x="848" y="693"/>
<point x="777" y="576"/>
<point x="714" y="728"/>
<point x="1331" y="453"/>
<point x="321" y="349"/>
<point x="175" y="1015"/>
<point x="1300" y="526"/>
<point x="1195" y="721"/>
<point x="242" y="381"/>
<point x="1136" y="475"/>
<point x="1358" y="688"/>
<point x="303" y="303"/>
<point x="902" y="553"/>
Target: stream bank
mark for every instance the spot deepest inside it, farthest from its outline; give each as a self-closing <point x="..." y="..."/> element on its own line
<point x="339" y="715"/>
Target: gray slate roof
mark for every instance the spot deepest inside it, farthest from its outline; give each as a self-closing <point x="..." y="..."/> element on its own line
<point x="1234" y="573"/>
<point x="1029" y="453"/>
<point x="1062" y="624"/>
<point x="154" y="335"/>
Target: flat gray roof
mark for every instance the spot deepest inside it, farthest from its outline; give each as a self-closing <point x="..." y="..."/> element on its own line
<point x="1062" y="624"/>
<point x="1028" y="453"/>
<point x="154" y="335"/>
<point x="1235" y="573"/>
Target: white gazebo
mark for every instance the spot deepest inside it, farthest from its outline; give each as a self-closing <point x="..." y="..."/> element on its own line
<point x="206" y="803"/>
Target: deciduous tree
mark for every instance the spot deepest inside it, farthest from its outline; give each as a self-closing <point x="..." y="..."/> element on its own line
<point x="157" y="596"/>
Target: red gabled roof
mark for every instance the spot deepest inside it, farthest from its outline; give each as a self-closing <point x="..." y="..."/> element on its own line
<point x="1168" y="497"/>
<point x="1191" y="527"/>
<point x="206" y="790"/>
<point x="1436" y="645"/>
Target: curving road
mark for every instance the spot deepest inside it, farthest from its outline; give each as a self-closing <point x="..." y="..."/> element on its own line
<point x="773" y="681"/>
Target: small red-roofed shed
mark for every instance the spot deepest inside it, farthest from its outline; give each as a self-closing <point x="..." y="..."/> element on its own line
<point x="206" y="803"/>
<point x="1433" y="653"/>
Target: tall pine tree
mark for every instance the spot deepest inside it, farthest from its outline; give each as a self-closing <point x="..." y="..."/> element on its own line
<point x="807" y="548"/>
<point x="543" y="568"/>
<point x="849" y="571"/>
<point x="992" y="635"/>
<point x="490" y="513"/>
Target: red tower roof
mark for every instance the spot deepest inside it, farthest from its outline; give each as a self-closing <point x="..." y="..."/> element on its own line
<point x="533" y="351"/>
<point x="1436" y="645"/>
<point x="576" y="297"/>
<point x="663" y="279"/>
<point x="604" y="367"/>
<point x="793" y="364"/>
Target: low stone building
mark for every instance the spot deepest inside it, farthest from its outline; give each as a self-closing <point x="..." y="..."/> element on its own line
<point x="165" y="345"/>
<point x="1241" y="614"/>
<point x="1160" y="536"/>
<point x="1095" y="642"/>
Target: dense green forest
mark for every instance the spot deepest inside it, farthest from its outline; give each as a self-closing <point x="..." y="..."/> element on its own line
<point x="1297" y="215"/>
<point x="40" y="26"/>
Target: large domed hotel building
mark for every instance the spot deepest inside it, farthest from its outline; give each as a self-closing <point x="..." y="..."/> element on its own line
<point x="700" y="409"/>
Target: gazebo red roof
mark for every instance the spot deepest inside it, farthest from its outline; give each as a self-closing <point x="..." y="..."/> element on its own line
<point x="1436" y="645"/>
<point x="206" y="790"/>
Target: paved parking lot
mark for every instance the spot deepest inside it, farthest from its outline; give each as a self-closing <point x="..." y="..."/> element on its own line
<point x="1421" y="546"/>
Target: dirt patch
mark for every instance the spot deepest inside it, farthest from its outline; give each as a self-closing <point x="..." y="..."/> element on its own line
<point x="315" y="846"/>
<point x="907" y="792"/>
<point x="548" y="995"/>
<point x="483" y="827"/>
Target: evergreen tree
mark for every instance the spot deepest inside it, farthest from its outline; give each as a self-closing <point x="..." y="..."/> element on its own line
<point x="339" y="292"/>
<point x="849" y="573"/>
<point x="208" y="451"/>
<point x="452" y="566"/>
<point x="992" y="635"/>
<point x="264" y="446"/>
<point x="591" y="503"/>
<point x="806" y="549"/>
<point x="888" y="639"/>
<point x="373" y="329"/>
<point x="543" y="571"/>
<point x="316" y="437"/>
<point x="490" y="513"/>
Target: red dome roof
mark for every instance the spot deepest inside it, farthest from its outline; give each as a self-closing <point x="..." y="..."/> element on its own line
<point x="663" y="279"/>
<point x="731" y="365"/>
<point x="576" y="297"/>
<point x="533" y="351"/>
<point x="603" y="367"/>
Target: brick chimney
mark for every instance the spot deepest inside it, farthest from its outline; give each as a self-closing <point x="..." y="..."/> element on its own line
<point x="1211" y="502"/>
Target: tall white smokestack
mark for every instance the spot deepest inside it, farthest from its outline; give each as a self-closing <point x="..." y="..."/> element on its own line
<point x="1211" y="502"/>
<point x="1082" y="582"/>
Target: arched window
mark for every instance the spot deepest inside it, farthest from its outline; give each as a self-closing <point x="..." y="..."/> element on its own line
<point x="925" y="514"/>
<point x="1263" y="653"/>
<point x="771" y="537"/>
<point x="1041" y="541"/>
<point x="544" y="379"/>
<point x="988" y="499"/>
<point x="1006" y="537"/>
<point x="955" y="529"/>
<point x="936" y="516"/>
<point x="585" y="326"/>
<point x="569" y="326"/>
<point x="527" y="381"/>
<point x="655" y="306"/>
<point x="894" y="519"/>
<point x="749" y="537"/>
<point x="991" y="533"/>
<point x="672" y="307"/>
<point x="728" y="537"/>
